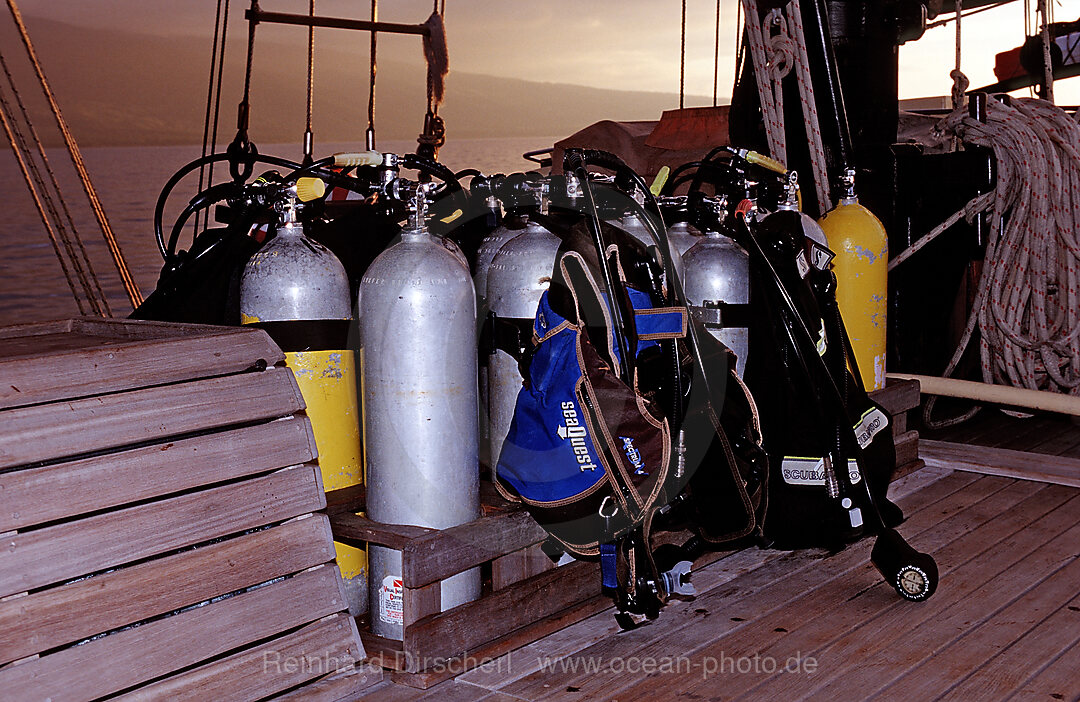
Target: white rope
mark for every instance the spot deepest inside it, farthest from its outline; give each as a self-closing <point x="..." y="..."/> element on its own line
<point x="771" y="112"/>
<point x="809" y="107"/>
<point x="776" y="47"/>
<point x="1048" y="65"/>
<point x="1027" y="307"/>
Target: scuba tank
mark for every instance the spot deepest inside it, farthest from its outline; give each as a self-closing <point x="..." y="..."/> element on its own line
<point x="298" y="291"/>
<point x="519" y="274"/>
<point x="519" y="201"/>
<point x="632" y="224"/>
<point x="862" y="269"/>
<point x="681" y="236"/>
<point x="417" y="311"/>
<point x="717" y="286"/>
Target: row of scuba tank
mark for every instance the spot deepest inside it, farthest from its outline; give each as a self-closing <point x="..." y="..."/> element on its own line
<point x="411" y="377"/>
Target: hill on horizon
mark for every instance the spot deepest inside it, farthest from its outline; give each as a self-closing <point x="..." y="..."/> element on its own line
<point x="120" y="88"/>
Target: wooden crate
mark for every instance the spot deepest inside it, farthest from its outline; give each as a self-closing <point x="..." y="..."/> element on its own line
<point x="159" y="519"/>
<point x="899" y="397"/>
<point x="527" y="597"/>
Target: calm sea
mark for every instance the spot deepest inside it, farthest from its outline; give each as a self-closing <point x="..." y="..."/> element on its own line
<point x="128" y="180"/>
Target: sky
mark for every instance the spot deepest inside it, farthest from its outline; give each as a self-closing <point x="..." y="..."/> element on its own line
<point x="618" y="44"/>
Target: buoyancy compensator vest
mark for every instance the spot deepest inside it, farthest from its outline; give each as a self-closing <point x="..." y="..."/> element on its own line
<point x="618" y="421"/>
<point x="820" y="449"/>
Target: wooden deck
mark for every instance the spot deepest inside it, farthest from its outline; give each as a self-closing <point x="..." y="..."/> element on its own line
<point x="1043" y="447"/>
<point x="1005" y="622"/>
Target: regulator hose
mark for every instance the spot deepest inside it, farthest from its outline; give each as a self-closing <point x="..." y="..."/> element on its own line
<point x="318" y="168"/>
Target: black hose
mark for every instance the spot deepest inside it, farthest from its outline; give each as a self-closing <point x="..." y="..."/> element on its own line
<point x="612" y="162"/>
<point x="574" y="162"/>
<point x="318" y="168"/>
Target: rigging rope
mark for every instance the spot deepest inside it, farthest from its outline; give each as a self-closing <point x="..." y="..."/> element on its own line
<point x="437" y="57"/>
<point x="809" y="107"/>
<point x="43" y="195"/>
<point x="128" y="280"/>
<point x="1027" y="305"/>
<point x="682" y="56"/>
<point x="217" y="90"/>
<point x="214" y="66"/>
<point x="960" y="81"/>
<point x="370" y="135"/>
<point x="774" y="119"/>
<point x="40" y="208"/>
<point x="1048" y="65"/>
<point x="774" y="55"/>
<point x="716" y="56"/>
<point x="308" y="137"/>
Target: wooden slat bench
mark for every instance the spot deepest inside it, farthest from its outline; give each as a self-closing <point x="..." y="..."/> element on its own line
<point x="161" y="534"/>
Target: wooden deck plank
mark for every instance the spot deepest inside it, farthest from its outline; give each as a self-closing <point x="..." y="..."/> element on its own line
<point x="1058" y="440"/>
<point x="988" y="422"/>
<point x="574" y="639"/>
<point x="60" y="615"/>
<point x="1022" y="433"/>
<point x="823" y="608"/>
<point x="1029" y="434"/>
<point x="71" y="428"/>
<point x="998" y="461"/>
<point x="127" y="658"/>
<point x="973" y="586"/>
<point x="39" y="495"/>
<point x="1016" y="645"/>
<point x="1057" y="681"/>
<point x="684" y="625"/>
<point x="345" y="686"/>
<point x="515" y="606"/>
<point x="37" y="558"/>
<point x="325" y="645"/>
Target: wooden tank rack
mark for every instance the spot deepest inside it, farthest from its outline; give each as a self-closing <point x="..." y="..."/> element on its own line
<point x="525" y="596"/>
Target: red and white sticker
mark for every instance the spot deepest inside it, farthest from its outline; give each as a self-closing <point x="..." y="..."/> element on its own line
<point x="390" y="600"/>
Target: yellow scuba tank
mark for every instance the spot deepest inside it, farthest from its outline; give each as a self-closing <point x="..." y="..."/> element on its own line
<point x="861" y="246"/>
<point x="298" y="291"/>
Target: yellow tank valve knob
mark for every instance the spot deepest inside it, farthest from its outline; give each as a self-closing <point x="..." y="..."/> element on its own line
<point x="308" y="189"/>
<point x="771" y="164"/>
<point x="357" y="158"/>
<point x="660" y="181"/>
<point x="457" y="213"/>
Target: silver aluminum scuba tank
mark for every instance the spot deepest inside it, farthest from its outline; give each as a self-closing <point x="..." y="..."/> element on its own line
<point x="298" y="291"/>
<point x="632" y="224"/>
<point x="681" y="236"/>
<point x="484" y="255"/>
<point x="717" y="280"/>
<point x="417" y="315"/>
<point x="520" y="273"/>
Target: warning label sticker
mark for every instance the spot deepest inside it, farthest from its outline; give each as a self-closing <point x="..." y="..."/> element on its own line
<point x="390" y="600"/>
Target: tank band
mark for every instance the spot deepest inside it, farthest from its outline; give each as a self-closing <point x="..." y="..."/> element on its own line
<point x="308" y="335"/>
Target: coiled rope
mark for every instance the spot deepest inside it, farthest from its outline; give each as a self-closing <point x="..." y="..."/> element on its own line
<point x="1027" y="305"/>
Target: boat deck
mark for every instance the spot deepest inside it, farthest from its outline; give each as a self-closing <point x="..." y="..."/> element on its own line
<point x="1004" y="623"/>
<point x="1043" y="446"/>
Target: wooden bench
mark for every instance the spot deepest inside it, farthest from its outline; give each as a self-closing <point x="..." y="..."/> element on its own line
<point x="160" y="525"/>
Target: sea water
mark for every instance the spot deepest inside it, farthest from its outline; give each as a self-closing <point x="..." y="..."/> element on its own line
<point x="128" y="181"/>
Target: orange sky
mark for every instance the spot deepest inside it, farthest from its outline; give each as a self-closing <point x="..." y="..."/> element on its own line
<point x="620" y="44"/>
